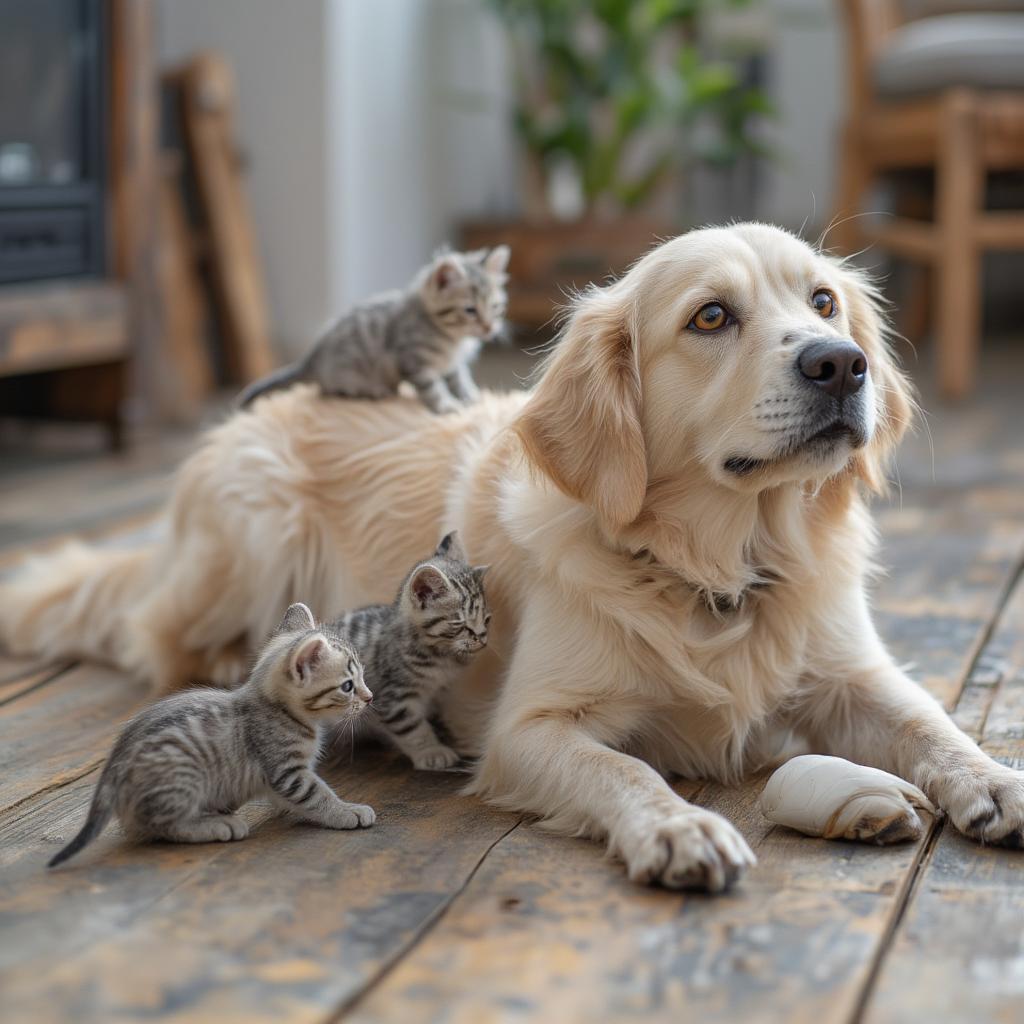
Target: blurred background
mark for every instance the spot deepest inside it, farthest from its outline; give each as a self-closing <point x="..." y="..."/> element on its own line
<point x="191" y="189"/>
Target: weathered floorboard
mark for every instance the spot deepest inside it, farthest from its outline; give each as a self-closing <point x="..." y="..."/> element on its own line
<point x="958" y="954"/>
<point x="282" y="926"/>
<point x="948" y="558"/>
<point x="549" y="930"/>
<point x="20" y="675"/>
<point x="56" y="733"/>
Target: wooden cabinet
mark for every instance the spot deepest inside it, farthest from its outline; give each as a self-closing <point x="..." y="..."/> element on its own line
<point x="74" y="346"/>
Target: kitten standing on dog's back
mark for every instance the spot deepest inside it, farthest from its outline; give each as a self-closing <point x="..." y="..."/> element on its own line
<point x="426" y="335"/>
<point x="181" y="768"/>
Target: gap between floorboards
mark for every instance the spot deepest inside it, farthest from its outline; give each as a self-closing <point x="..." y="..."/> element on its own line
<point x="389" y="965"/>
<point x="909" y="889"/>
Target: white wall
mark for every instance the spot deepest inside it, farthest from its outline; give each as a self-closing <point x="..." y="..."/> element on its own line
<point x="385" y="215"/>
<point x="807" y="87"/>
<point x="419" y="130"/>
<point x="472" y="83"/>
<point x="373" y="127"/>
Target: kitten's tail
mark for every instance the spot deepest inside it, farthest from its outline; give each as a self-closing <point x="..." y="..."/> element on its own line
<point x="281" y="378"/>
<point x="100" y="811"/>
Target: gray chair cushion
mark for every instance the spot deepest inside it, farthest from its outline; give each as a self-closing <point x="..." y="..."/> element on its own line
<point x="985" y="51"/>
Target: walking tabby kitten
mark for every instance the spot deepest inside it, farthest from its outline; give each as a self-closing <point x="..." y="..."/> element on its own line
<point x="412" y="648"/>
<point x="427" y="335"/>
<point x="182" y="767"/>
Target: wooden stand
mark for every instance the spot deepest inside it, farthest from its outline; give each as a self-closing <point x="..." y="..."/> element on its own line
<point x="552" y="261"/>
<point x="66" y="346"/>
<point x="963" y="134"/>
<point x="205" y="91"/>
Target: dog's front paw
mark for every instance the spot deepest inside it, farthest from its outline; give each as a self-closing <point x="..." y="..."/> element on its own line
<point x="435" y="759"/>
<point x="689" y="849"/>
<point x="988" y="806"/>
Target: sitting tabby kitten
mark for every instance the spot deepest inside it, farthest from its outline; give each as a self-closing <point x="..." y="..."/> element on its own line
<point x="182" y="767"/>
<point x="427" y="335"/>
<point x="412" y="648"/>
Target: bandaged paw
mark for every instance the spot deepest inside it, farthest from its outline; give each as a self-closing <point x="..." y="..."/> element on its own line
<point x="836" y="799"/>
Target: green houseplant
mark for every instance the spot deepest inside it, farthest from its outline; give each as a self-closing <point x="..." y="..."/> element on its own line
<point x="616" y="99"/>
<point x="616" y="102"/>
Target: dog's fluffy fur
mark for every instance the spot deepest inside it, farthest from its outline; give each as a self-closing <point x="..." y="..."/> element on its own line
<point x="655" y="612"/>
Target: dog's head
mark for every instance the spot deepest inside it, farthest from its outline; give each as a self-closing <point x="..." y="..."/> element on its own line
<point x="742" y="351"/>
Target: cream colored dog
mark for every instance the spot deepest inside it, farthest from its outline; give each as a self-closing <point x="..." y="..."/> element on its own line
<point x="677" y="537"/>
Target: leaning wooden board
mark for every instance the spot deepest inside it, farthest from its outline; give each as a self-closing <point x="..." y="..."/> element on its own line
<point x="207" y="108"/>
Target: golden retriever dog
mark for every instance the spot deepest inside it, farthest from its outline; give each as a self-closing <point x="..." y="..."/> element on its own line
<point x="679" y="544"/>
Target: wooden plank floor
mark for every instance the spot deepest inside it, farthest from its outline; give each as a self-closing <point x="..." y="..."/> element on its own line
<point x="447" y="910"/>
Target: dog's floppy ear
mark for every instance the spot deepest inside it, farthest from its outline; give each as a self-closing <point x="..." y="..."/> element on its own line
<point x="581" y="426"/>
<point x="895" y="403"/>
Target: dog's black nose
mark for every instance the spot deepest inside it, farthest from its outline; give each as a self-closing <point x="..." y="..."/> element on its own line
<point x="839" y="368"/>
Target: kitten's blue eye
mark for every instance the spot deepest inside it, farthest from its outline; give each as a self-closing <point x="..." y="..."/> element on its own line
<point x="347" y="686"/>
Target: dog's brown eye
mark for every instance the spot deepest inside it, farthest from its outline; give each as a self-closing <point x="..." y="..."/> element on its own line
<point x="711" y="317"/>
<point x="824" y="303"/>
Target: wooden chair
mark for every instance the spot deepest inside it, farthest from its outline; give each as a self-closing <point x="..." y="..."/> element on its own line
<point x="962" y="130"/>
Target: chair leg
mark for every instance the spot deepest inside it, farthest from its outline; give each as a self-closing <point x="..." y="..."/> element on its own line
<point x="959" y="199"/>
<point x="855" y="172"/>
<point x="915" y="313"/>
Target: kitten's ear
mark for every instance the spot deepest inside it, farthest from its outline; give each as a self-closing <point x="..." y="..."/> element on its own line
<point x="446" y="273"/>
<point x="428" y="585"/>
<point x="297" y="618"/>
<point x="451" y="547"/>
<point x="496" y="261"/>
<point x="306" y="657"/>
<point x="480" y="571"/>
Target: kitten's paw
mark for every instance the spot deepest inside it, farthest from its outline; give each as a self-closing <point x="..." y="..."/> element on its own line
<point x="238" y="828"/>
<point x="988" y="807"/>
<point x="210" y="828"/>
<point x="435" y="759"/>
<point x="355" y="816"/>
<point x="366" y="814"/>
<point x="690" y="849"/>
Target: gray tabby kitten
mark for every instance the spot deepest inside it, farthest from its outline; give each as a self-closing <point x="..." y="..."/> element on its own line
<point x="427" y="335"/>
<point x="182" y="767"/>
<point x="411" y="649"/>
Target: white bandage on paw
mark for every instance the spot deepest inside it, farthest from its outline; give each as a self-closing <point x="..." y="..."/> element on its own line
<point x="836" y="799"/>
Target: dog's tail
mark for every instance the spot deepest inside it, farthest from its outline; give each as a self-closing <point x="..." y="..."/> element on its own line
<point x="72" y="602"/>
<point x="275" y="381"/>
<point x="100" y="811"/>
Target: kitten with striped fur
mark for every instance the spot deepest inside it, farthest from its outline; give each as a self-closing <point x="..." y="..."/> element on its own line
<point x="412" y="649"/>
<point x="182" y="768"/>
<point x="427" y="335"/>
